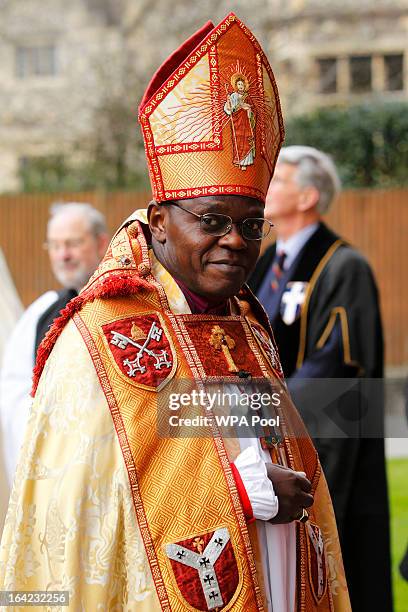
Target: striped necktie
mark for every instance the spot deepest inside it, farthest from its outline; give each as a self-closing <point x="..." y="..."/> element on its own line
<point x="277" y="269"/>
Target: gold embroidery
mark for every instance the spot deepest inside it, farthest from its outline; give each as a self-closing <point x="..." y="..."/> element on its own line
<point x="137" y="333"/>
<point x="198" y="544"/>
<point x="71" y="523"/>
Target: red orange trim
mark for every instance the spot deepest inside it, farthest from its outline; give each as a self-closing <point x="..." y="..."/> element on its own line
<point x="242" y="492"/>
<point x="210" y="190"/>
<point x="188" y="147"/>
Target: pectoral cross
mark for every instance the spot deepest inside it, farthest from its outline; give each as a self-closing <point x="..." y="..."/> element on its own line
<point x="220" y="340"/>
<point x="292" y="301"/>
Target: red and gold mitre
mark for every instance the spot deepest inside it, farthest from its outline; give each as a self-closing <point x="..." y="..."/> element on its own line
<point x="211" y="117"/>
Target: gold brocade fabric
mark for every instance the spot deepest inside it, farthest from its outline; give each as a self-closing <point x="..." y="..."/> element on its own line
<point x="175" y="296"/>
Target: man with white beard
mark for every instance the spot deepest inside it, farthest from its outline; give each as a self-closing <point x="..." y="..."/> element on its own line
<point x="76" y="241"/>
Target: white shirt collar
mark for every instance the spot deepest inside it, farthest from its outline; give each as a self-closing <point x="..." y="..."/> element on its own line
<point x="293" y="245"/>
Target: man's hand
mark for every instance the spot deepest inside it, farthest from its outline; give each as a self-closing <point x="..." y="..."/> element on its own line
<point x="292" y="490"/>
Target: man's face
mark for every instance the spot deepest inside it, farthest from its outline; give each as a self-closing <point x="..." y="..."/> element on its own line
<point x="284" y="194"/>
<point x="213" y="267"/>
<point x="73" y="250"/>
<point x="241" y="86"/>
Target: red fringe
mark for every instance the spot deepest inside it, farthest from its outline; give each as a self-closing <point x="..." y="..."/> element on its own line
<point x="112" y="286"/>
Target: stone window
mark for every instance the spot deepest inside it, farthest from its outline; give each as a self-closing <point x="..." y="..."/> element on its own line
<point x="394" y="66"/>
<point x="360" y="73"/>
<point x="327" y="75"/>
<point x="35" y="61"/>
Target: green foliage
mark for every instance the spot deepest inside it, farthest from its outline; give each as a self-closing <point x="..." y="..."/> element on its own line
<point x="398" y="488"/>
<point x="42" y="173"/>
<point x="54" y="173"/>
<point x="369" y="143"/>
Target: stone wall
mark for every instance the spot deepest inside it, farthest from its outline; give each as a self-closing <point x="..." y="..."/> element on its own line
<point x="43" y="115"/>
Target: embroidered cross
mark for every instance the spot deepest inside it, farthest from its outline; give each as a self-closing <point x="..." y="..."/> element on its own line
<point x="213" y="595"/>
<point x="181" y="554"/>
<point x="204" y="562"/>
<point x="220" y="340"/>
<point x="208" y="578"/>
<point x="219" y="541"/>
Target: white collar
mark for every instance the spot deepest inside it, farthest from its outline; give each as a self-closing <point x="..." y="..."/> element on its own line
<point x="293" y="245"/>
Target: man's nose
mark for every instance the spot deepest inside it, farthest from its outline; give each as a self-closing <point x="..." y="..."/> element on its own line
<point x="233" y="239"/>
<point x="63" y="253"/>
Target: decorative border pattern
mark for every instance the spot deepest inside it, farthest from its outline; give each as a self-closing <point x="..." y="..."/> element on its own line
<point x="215" y="94"/>
<point x="216" y="190"/>
<point x="302" y="566"/>
<point x="188" y="147"/>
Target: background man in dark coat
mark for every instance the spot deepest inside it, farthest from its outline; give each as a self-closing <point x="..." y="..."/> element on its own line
<point x="322" y="300"/>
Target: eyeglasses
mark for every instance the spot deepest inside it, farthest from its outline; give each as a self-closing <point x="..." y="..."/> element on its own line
<point x="215" y="224"/>
<point x="54" y="245"/>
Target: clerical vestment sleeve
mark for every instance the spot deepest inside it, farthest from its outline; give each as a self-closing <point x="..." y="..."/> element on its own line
<point x="258" y="486"/>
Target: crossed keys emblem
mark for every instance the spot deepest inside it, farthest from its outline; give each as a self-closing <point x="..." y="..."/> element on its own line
<point x="136" y="365"/>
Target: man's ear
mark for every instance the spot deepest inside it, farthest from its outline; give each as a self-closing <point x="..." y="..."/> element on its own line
<point x="309" y="198"/>
<point x="156" y="216"/>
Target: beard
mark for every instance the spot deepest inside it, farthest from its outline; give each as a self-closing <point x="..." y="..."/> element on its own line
<point x="72" y="278"/>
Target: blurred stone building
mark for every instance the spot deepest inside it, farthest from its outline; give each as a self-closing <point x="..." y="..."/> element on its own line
<point x="72" y="73"/>
<point x="340" y="52"/>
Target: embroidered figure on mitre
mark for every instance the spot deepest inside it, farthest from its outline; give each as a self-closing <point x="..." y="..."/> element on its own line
<point x="240" y="109"/>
